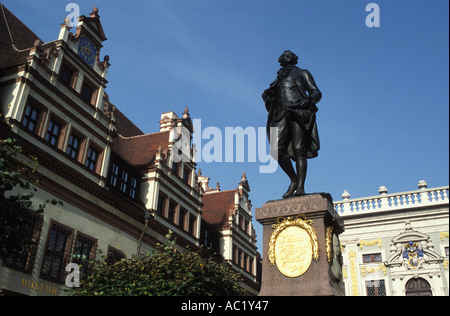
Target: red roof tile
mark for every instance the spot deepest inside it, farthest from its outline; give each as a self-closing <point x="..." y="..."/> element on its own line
<point x="217" y="207"/>
<point x="22" y="36"/>
<point x="140" y="150"/>
<point x="125" y="126"/>
<point x="13" y="31"/>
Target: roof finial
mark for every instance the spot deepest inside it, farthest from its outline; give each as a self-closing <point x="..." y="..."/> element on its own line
<point x="94" y="12"/>
<point x="345" y="195"/>
<point x="383" y="190"/>
<point x="186" y="113"/>
<point x="422" y="185"/>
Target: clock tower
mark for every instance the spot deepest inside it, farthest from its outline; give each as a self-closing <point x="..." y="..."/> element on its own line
<point x="88" y="50"/>
<point x="79" y="63"/>
<point x="91" y="36"/>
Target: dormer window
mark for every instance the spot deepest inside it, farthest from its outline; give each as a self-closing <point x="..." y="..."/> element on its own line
<point x="123" y="179"/>
<point x="133" y="187"/>
<point x="114" y="174"/>
<point x="124" y="182"/>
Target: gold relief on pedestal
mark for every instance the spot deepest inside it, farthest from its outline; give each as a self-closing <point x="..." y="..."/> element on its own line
<point x="329" y="245"/>
<point x="334" y="254"/>
<point x="293" y="245"/>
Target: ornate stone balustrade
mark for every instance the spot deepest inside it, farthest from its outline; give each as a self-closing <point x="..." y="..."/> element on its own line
<point x="384" y="202"/>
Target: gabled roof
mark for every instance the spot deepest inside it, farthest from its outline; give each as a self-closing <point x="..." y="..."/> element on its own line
<point x="139" y="151"/>
<point x="217" y="207"/>
<point x="94" y="22"/>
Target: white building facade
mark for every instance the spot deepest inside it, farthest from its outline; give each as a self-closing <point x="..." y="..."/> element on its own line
<point x="396" y="244"/>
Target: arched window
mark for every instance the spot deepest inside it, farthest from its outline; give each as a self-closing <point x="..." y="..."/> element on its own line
<point x="418" y="287"/>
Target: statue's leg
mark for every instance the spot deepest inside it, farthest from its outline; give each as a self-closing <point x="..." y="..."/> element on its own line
<point x="302" y="166"/>
<point x="284" y="161"/>
<point x="286" y="164"/>
<point x="298" y="138"/>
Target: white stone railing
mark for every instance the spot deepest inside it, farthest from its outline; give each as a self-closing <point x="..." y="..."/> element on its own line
<point x="384" y="201"/>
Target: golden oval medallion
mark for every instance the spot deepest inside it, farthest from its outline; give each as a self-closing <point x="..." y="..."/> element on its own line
<point x="293" y="251"/>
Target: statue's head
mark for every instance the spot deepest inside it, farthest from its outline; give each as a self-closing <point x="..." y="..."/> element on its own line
<point x="288" y="58"/>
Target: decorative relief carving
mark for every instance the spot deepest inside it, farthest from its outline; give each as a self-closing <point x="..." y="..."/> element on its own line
<point x="370" y="243"/>
<point x="334" y="254"/>
<point x="366" y="270"/>
<point x="354" y="276"/>
<point x="288" y="207"/>
<point x="293" y="245"/>
<point x="329" y="245"/>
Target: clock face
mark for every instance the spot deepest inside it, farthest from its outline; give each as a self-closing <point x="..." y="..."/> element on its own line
<point x="87" y="50"/>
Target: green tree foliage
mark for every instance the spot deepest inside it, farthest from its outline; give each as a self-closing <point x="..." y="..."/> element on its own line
<point x="15" y="179"/>
<point x="166" y="272"/>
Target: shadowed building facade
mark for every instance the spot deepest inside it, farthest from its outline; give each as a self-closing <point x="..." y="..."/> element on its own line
<point x="122" y="189"/>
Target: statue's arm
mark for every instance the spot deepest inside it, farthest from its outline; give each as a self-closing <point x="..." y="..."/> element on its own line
<point x="268" y="100"/>
<point x="315" y="95"/>
<point x="269" y="96"/>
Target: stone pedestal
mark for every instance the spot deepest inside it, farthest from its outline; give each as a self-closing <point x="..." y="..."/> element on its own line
<point x="323" y="276"/>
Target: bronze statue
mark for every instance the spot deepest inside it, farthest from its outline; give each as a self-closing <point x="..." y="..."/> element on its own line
<point x="291" y="102"/>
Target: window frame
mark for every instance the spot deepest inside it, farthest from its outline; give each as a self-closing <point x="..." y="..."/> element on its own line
<point x="124" y="181"/>
<point x="50" y="135"/>
<point x="162" y="204"/>
<point x="74" y="74"/>
<point x="92" y="97"/>
<point x="52" y="256"/>
<point x="81" y="145"/>
<point x="116" y="179"/>
<point x="182" y="218"/>
<point x="176" y="166"/>
<point x="192" y="228"/>
<point x="171" y="212"/>
<point x="60" y="138"/>
<point x="114" y="255"/>
<point x="114" y="174"/>
<point x="70" y="146"/>
<point x="28" y="119"/>
<point x="187" y="175"/>
<point x="38" y="122"/>
<point x="372" y="257"/>
<point x="92" y="253"/>
<point x="133" y="187"/>
<point x="378" y="286"/>
<point x="31" y="235"/>
<point x="96" y="161"/>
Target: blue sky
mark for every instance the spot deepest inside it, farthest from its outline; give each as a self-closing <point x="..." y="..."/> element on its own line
<point x="384" y="117"/>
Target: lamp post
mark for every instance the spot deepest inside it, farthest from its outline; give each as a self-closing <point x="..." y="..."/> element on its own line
<point x="147" y="216"/>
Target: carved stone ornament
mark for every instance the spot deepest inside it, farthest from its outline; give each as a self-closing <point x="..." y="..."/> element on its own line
<point x="293" y="245"/>
<point x="329" y="246"/>
<point x="334" y="254"/>
<point x="412" y="249"/>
